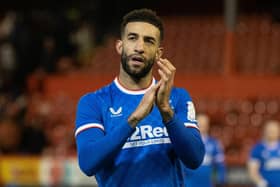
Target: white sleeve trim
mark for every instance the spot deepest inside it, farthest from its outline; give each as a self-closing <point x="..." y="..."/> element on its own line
<point x="191" y="125"/>
<point x="87" y="126"/>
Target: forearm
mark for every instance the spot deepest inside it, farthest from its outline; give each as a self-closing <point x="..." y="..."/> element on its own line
<point x="187" y="143"/>
<point x="167" y="114"/>
<point x="258" y="179"/>
<point x="94" y="154"/>
<point x="255" y="175"/>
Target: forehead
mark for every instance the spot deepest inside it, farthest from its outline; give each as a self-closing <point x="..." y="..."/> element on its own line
<point x="272" y="126"/>
<point x="142" y="28"/>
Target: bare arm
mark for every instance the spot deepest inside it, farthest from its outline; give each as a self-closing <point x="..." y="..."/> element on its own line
<point x="253" y="169"/>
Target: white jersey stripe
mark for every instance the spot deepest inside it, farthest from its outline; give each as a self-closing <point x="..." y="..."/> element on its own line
<point x="142" y="143"/>
<point x="191" y="125"/>
<point x="132" y="92"/>
<point x="87" y="126"/>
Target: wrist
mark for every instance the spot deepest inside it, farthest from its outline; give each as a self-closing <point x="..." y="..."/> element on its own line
<point x="167" y="114"/>
<point x="133" y="121"/>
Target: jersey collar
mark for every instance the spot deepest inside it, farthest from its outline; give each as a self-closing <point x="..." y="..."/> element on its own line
<point x="132" y="92"/>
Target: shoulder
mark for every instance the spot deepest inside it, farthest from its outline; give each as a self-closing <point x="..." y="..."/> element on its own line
<point x="258" y="147"/>
<point x="96" y="95"/>
<point x="180" y="92"/>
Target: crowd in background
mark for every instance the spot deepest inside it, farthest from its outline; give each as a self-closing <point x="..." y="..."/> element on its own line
<point x="36" y="43"/>
<point x="45" y="41"/>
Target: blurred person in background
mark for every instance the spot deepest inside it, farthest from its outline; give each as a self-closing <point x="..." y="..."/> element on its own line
<point x="84" y="39"/>
<point x="264" y="161"/>
<point x="212" y="171"/>
<point x="136" y="130"/>
<point x="10" y="136"/>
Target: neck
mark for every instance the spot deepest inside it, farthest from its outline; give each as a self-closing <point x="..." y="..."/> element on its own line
<point x="271" y="142"/>
<point x="132" y="83"/>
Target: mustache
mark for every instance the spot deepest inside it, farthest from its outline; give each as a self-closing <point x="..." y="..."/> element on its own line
<point x="135" y="55"/>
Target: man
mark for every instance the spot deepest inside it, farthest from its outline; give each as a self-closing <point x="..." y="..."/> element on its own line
<point x="264" y="162"/>
<point x="212" y="169"/>
<point x="137" y="131"/>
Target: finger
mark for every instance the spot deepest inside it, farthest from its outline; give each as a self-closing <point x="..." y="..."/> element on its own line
<point x="164" y="68"/>
<point x="167" y="67"/>
<point x="162" y="75"/>
<point x="167" y="63"/>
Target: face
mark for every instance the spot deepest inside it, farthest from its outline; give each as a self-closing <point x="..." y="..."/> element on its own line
<point x="203" y="123"/>
<point x="271" y="131"/>
<point x="139" y="48"/>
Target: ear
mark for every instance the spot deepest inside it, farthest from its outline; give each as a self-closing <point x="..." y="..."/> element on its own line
<point x="119" y="46"/>
<point x="159" y="53"/>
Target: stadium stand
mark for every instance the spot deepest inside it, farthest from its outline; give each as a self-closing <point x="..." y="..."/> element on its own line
<point x="238" y="104"/>
<point x="195" y="45"/>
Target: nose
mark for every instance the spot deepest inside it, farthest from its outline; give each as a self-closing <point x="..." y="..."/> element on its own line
<point x="139" y="47"/>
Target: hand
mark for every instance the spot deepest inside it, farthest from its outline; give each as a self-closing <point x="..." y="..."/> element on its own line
<point x="262" y="183"/>
<point x="145" y="106"/>
<point x="167" y="73"/>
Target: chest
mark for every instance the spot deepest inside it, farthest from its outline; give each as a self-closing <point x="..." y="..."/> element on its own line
<point x="120" y="108"/>
<point x="271" y="159"/>
<point x="267" y="154"/>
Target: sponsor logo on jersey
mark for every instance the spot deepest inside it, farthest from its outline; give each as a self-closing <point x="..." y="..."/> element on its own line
<point x="147" y="135"/>
<point x="272" y="164"/>
<point x="115" y="113"/>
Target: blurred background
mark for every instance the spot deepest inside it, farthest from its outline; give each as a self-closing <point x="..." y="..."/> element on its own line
<point x="227" y="54"/>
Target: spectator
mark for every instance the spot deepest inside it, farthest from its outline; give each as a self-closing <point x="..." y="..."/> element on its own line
<point x="264" y="161"/>
<point x="212" y="170"/>
<point x="10" y="135"/>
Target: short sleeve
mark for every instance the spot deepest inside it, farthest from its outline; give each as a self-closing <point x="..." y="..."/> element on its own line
<point x="255" y="154"/>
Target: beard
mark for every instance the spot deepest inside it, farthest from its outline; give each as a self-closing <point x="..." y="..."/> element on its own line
<point x="136" y="73"/>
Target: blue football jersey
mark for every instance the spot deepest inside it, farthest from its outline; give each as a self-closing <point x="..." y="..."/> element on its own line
<point x="268" y="157"/>
<point x="147" y="157"/>
<point x="212" y="165"/>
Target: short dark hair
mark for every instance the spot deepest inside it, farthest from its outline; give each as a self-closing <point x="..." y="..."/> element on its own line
<point x="143" y="15"/>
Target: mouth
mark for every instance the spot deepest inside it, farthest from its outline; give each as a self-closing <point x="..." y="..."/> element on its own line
<point x="138" y="59"/>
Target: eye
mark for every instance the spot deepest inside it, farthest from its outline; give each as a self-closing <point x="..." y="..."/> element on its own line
<point x="150" y="41"/>
<point x="131" y="37"/>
